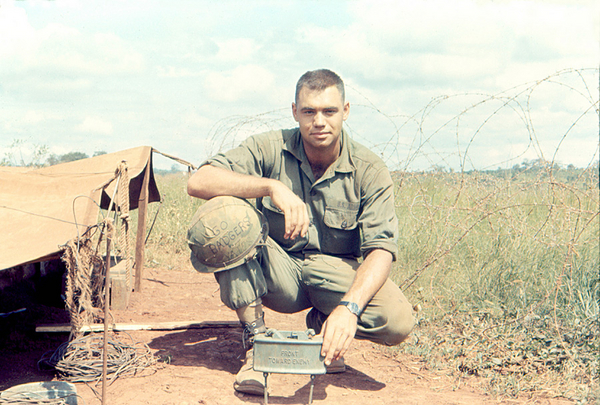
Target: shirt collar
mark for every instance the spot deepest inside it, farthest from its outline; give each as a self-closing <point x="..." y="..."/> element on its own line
<point x="343" y="164"/>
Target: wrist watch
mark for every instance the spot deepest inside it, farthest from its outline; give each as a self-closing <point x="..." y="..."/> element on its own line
<point x="352" y="307"/>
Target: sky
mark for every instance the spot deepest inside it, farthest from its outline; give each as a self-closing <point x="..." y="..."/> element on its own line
<point x="457" y="84"/>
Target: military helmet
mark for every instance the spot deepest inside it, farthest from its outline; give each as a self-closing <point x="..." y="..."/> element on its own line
<point x="224" y="233"/>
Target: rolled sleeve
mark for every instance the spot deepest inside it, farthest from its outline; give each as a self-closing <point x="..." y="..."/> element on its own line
<point x="248" y="158"/>
<point x="377" y="220"/>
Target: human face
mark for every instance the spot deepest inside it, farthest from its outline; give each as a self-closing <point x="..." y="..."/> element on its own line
<point x="320" y="115"/>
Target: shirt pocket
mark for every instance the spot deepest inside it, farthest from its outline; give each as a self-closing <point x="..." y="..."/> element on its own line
<point x="275" y="218"/>
<point x="341" y="214"/>
<point x="341" y="234"/>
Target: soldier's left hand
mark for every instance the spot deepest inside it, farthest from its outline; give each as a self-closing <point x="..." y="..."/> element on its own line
<point x="338" y="333"/>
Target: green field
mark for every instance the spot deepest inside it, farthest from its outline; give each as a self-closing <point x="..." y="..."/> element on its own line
<point x="502" y="266"/>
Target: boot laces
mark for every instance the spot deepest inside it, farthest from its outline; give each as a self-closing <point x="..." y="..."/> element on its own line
<point x="252" y="329"/>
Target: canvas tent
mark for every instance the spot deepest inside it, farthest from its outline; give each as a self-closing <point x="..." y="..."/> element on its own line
<point x="42" y="209"/>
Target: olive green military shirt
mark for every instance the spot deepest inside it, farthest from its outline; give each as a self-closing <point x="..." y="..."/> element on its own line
<point x="351" y="207"/>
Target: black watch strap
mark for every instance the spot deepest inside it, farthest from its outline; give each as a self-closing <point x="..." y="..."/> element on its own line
<point x="352" y="307"/>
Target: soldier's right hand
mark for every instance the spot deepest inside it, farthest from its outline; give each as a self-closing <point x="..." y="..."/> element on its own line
<point x="293" y="208"/>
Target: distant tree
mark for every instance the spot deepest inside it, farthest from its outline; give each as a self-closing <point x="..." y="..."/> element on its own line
<point x="39" y="153"/>
<point x="539" y="163"/>
<point x="21" y="153"/>
<point x="67" y="157"/>
<point x="99" y="152"/>
<point x="52" y="160"/>
<point x="438" y="168"/>
<point x="72" y="156"/>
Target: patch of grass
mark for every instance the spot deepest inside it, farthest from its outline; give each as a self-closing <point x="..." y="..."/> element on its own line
<point x="504" y="267"/>
<point x="168" y="222"/>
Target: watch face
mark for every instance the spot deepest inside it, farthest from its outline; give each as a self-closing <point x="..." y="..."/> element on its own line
<point x="352" y="306"/>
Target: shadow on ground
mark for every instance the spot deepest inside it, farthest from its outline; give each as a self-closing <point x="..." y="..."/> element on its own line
<point x="221" y="349"/>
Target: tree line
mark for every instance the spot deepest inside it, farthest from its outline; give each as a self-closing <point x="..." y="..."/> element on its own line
<point x="19" y="153"/>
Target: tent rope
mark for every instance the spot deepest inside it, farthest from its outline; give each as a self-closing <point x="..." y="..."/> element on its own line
<point x="85" y="281"/>
<point x="125" y="242"/>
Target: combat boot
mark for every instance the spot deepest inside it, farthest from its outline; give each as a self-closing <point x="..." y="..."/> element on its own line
<point x="247" y="380"/>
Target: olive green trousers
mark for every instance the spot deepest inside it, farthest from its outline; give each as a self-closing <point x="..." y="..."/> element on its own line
<point x="289" y="284"/>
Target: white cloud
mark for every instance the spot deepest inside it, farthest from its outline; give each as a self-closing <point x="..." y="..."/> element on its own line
<point x="430" y="42"/>
<point x="176" y="72"/>
<point x="169" y="74"/>
<point x="236" y="50"/>
<point x="193" y="120"/>
<point x="38" y="116"/>
<point x="95" y="125"/>
<point x="17" y="34"/>
<point x="249" y="82"/>
<point x="60" y="50"/>
<point x="71" y="52"/>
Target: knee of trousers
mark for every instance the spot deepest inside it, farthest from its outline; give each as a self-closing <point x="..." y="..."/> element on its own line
<point x="401" y="322"/>
<point x="391" y="326"/>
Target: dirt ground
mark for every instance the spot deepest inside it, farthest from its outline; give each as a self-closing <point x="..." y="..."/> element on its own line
<point x="202" y="363"/>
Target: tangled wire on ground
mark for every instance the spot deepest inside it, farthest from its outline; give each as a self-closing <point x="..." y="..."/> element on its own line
<point x="80" y="360"/>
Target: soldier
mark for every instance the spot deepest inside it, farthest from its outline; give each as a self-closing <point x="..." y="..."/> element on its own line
<point x="332" y="229"/>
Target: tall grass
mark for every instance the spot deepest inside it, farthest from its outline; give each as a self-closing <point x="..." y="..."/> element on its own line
<point x="511" y="242"/>
<point x="503" y="267"/>
<point x="168" y="222"/>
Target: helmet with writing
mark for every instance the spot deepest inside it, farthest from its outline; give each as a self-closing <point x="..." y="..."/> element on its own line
<point x="224" y="233"/>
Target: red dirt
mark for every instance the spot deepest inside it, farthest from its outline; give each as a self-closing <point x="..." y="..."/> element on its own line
<point x="203" y="362"/>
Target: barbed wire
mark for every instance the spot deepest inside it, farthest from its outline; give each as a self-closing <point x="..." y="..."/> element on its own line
<point x="505" y="261"/>
<point x="416" y="138"/>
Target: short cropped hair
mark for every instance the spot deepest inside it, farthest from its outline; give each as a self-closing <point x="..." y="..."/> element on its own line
<point x="319" y="80"/>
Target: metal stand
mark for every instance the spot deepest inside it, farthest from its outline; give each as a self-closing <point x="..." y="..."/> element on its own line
<point x="266" y="389"/>
<point x="310" y="395"/>
<point x="312" y="386"/>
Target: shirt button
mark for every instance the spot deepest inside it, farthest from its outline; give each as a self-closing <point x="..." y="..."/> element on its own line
<point x="344" y="224"/>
